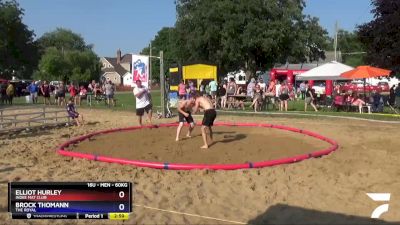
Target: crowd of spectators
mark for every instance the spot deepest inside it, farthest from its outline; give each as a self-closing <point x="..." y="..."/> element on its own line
<point x="259" y="94"/>
<point x="55" y="94"/>
<point x="228" y="94"/>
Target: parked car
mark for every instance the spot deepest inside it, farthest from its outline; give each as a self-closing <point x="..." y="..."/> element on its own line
<point x="384" y="86"/>
<point x="358" y="86"/>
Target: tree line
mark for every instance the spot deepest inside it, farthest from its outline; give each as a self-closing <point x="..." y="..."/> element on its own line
<point x="57" y="55"/>
<point x="255" y="34"/>
<point x="231" y="34"/>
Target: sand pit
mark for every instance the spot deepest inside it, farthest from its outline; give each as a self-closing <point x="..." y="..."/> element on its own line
<point x="232" y="145"/>
<point x="328" y="190"/>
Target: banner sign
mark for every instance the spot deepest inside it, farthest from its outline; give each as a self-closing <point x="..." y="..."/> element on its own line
<point x="140" y="69"/>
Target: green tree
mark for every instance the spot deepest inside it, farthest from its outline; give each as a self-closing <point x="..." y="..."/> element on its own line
<point x="52" y="65"/>
<point x="246" y="33"/>
<point x="62" y="39"/>
<point x="65" y="56"/>
<point x="381" y="36"/>
<point x="18" y="51"/>
<point x="163" y="41"/>
<point x="351" y="48"/>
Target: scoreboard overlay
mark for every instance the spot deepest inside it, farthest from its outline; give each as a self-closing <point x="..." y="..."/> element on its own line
<point x="70" y="200"/>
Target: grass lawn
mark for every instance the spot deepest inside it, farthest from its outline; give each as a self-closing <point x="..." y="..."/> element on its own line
<point x="126" y="101"/>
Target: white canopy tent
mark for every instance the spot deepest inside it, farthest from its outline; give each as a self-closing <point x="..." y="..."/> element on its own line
<point x="327" y="71"/>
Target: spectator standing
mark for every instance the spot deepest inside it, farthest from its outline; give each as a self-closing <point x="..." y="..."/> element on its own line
<point x="213" y="89"/>
<point x="96" y="90"/>
<point x="33" y="91"/>
<point x="232" y="87"/>
<point x="92" y="86"/>
<point x="392" y="95"/>
<point x="72" y="91"/>
<point x="397" y="93"/>
<point x="222" y="94"/>
<point x="303" y="89"/>
<point x="190" y="90"/>
<point x="202" y="88"/>
<point x="61" y="95"/>
<point x="284" y="96"/>
<point x="3" y="93"/>
<point x="292" y="92"/>
<point x="270" y="93"/>
<point x="56" y="95"/>
<point x="192" y="87"/>
<point x="143" y="103"/>
<point x="278" y="93"/>
<point x="109" y="91"/>
<point x="10" y="91"/>
<point x="231" y="90"/>
<point x="207" y="91"/>
<point x="309" y="100"/>
<point x="45" y="90"/>
<point x="82" y="94"/>
<point x="251" y="87"/>
<point x="182" y="90"/>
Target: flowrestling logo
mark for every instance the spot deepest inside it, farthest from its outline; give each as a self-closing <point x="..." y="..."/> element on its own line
<point x="380" y="197"/>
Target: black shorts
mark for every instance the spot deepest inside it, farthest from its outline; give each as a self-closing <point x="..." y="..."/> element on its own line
<point x="284" y="97"/>
<point x="188" y="119"/>
<point x="209" y="117"/>
<point x="140" y="111"/>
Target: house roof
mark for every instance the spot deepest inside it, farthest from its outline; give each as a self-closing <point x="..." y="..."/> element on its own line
<point x="127" y="58"/>
<point x="116" y="67"/>
<point x="127" y="73"/>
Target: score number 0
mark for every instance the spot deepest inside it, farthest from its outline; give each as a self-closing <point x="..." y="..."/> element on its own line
<point x="121" y="194"/>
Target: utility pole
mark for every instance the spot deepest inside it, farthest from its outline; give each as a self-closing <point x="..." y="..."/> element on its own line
<point x="162" y="84"/>
<point x="335" y="43"/>
<point x="150" y="65"/>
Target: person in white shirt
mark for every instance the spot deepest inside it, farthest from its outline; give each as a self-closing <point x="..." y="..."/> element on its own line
<point x="143" y="103"/>
<point x="278" y="92"/>
<point x="263" y="85"/>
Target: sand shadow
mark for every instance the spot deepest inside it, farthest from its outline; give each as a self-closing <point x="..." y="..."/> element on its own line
<point x="11" y="168"/>
<point x="26" y="133"/>
<point x="92" y="123"/>
<point x="285" y="214"/>
<point x="214" y="133"/>
<point x="224" y="132"/>
<point x="230" y="138"/>
<point x="7" y="169"/>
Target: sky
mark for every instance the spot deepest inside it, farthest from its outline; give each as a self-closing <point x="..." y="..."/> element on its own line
<point x="131" y="24"/>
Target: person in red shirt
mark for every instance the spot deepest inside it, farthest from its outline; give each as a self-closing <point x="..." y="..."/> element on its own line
<point x="182" y="90"/>
<point x="72" y="91"/>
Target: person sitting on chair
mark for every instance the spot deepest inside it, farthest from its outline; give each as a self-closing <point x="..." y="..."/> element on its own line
<point x="257" y="98"/>
<point x="356" y="101"/>
<point x="377" y="102"/>
<point x="239" y="103"/>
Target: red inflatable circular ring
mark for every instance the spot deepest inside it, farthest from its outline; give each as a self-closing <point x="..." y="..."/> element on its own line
<point x="62" y="150"/>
